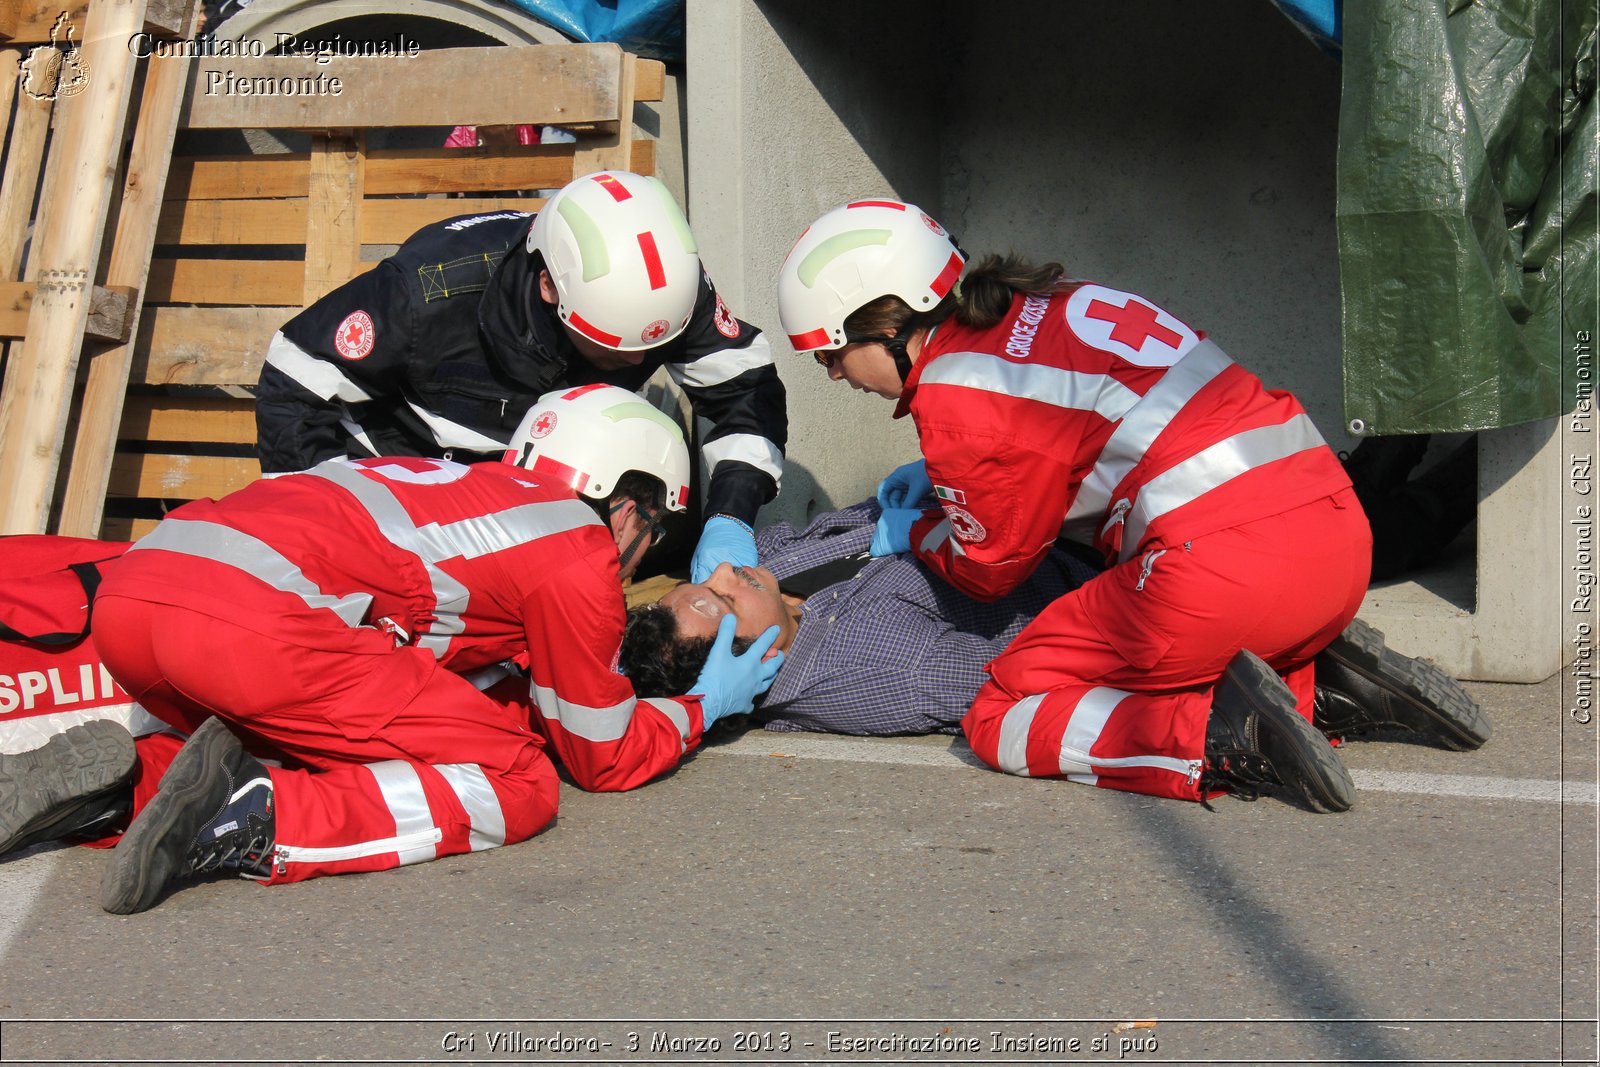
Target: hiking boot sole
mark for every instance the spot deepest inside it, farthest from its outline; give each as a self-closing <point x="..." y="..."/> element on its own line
<point x="151" y="852"/>
<point x="47" y="787"/>
<point x="1300" y="755"/>
<point x="1421" y="698"/>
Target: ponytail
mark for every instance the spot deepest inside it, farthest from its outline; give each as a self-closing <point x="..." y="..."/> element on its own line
<point x="984" y="296"/>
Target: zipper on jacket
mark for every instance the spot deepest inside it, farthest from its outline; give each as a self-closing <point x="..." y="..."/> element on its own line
<point x="1119" y="512"/>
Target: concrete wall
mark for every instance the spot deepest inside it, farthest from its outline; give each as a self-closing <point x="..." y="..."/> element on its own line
<point x="1149" y="145"/>
<point x="786" y="119"/>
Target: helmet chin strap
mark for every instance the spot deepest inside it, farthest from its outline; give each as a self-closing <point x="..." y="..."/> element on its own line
<point x="896" y="347"/>
<point x="626" y="555"/>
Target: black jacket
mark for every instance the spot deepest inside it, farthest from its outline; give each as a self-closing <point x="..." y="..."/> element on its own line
<point x="460" y="346"/>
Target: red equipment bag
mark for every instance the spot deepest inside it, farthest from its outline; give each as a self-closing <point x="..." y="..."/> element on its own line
<point x="51" y="676"/>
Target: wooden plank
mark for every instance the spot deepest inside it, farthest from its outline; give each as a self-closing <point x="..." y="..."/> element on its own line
<point x="388" y="172"/>
<point x="233" y="222"/>
<point x="468" y="170"/>
<point x="163" y="19"/>
<point x="10" y="65"/>
<point x="225" y="281"/>
<point x="205" y="346"/>
<point x="614" y="150"/>
<point x="108" y="319"/>
<point x="161" y="418"/>
<point x="179" y="477"/>
<point x="560" y="85"/>
<point x="333" y="213"/>
<point x="124" y="529"/>
<point x="389" y="222"/>
<point x="10" y="19"/>
<point x="649" y="79"/>
<point x="238" y="177"/>
<point x="83" y="498"/>
<point x="39" y="385"/>
<point x="24" y="158"/>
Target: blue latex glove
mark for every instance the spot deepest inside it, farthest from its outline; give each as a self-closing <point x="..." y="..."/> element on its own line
<point x="729" y="683"/>
<point x="724" y="540"/>
<point x="893" y="533"/>
<point x="905" y="486"/>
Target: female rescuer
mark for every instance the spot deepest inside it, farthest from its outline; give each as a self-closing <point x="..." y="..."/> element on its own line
<point x="1233" y="544"/>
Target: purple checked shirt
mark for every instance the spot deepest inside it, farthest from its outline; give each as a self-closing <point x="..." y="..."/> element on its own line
<point x="893" y="650"/>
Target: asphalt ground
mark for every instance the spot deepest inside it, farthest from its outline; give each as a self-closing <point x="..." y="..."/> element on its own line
<point x="805" y="898"/>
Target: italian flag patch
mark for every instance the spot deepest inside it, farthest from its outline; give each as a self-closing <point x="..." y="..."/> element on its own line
<point x="944" y="492"/>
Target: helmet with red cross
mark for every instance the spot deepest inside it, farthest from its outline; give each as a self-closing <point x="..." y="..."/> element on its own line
<point x="624" y="265"/>
<point x="589" y="436"/>
<point x="855" y="254"/>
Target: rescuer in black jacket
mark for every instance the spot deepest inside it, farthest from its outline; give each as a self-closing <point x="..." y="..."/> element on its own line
<point x="440" y="349"/>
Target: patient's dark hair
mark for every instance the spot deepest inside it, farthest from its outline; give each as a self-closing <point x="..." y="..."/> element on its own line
<point x="658" y="661"/>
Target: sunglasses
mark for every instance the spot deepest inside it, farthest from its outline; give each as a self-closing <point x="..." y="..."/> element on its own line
<point x="827" y="357"/>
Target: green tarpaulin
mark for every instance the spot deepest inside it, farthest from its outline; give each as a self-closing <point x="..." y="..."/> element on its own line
<point x="1468" y="164"/>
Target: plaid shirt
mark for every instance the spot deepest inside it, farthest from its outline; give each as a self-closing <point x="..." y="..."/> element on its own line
<point x="893" y="650"/>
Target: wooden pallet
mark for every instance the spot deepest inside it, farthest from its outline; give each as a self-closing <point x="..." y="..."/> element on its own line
<point x="243" y="241"/>
<point x="67" y="290"/>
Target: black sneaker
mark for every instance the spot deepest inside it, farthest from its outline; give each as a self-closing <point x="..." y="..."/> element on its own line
<point x="73" y="784"/>
<point x="1255" y="739"/>
<point x="213" y="813"/>
<point x="1364" y="686"/>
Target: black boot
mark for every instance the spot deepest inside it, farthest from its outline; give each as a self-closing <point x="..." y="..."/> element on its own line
<point x="214" y="813"/>
<point x="1255" y="738"/>
<point x="1363" y="686"/>
<point x="77" y="783"/>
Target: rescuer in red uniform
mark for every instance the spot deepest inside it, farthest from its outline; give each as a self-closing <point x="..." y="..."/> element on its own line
<point x="1234" y="547"/>
<point x="346" y="621"/>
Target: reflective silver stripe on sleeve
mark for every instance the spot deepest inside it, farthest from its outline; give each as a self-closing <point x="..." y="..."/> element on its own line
<point x="435" y="543"/>
<point x="1012" y="753"/>
<point x="317" y="376"/>
<point x="471" y="787"/>
<point x="749" y="448"/>
<point x="723" y="365"/>
<point x="1212" y="467"/>
<point x="223" y="544"/>
<point x="938" y="536"/>
<point x="452" y="434"/>
<point x="591" y="724"/>
<point x="1077" y="390"/>
<point x="402" y="793"/>
<point x="672" y="710"/>
<point x="1137" y="431"/>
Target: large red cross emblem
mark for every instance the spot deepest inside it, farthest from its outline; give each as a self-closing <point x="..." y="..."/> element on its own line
<point x="1134" y="322"/>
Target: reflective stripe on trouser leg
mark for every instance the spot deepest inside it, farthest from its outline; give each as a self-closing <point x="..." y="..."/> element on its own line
<point x="1139" y="742"/>
<point x="393" y="813"/>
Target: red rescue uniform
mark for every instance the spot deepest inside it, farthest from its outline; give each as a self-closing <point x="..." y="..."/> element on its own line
<point x="1225" y="522"/>
<point x="346" y="621"/>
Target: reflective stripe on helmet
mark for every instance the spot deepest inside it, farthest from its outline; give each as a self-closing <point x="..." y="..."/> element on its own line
<point x="593" y="332"/>
<point x="947" y="277"/>
<point x="652" y="261"/>
<point x="591" y="240"/>
<point x="610" y="184"/>
<point x="805" y="342"/>
<point x="557" y="471"/>
<point x="834" y="247"/>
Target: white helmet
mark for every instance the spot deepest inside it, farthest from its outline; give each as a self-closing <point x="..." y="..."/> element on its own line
<point x="589" y="436"/>
<point x="853" y="255"/>
<point x="619" y="252"/>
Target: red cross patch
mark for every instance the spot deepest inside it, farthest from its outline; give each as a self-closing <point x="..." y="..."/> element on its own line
<point x="963" y="525"/>
<point x="543" y="425"/>
<point x="355" y="336"/>
<point x="1128" y="326"/>
<point x="727" y="325"/>
<point x="654" y="331"/>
